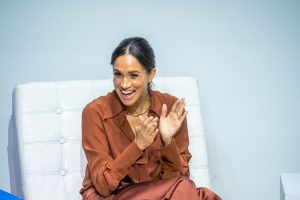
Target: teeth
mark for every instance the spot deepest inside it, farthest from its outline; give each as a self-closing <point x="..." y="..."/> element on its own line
<point x="126" y="92"/>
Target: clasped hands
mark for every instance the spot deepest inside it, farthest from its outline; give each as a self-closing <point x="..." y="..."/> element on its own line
<point x="147" y="127"/>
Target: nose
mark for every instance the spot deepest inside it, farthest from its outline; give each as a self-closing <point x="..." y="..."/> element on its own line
<point x="125" y="83"/>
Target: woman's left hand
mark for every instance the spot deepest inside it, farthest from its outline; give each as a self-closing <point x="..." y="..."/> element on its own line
<point x="168" y="125"/>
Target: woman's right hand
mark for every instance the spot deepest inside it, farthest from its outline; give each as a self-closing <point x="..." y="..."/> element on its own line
<point x="145" y="131"/>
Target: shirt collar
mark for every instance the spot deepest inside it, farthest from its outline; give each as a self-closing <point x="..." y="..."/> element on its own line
<point x="114" y="105"/>
<point x="156" y="104"/>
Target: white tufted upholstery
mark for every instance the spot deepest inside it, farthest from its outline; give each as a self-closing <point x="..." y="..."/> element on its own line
<point x="45" y="134"/>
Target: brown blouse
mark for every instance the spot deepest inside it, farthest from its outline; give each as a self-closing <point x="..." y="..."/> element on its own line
<point x="114" y="159"/>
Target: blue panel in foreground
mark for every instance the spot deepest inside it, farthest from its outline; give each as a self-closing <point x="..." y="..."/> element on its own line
<point x="7" y="196"/>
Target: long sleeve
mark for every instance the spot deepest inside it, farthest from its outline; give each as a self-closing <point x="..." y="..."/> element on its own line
<point x="175" y="155"/>
<point x="104" y="171"/>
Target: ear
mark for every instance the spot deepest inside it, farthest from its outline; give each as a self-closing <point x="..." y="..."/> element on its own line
<point x="152" y="74"/>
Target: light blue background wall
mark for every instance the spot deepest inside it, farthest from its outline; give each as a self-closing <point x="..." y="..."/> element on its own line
<point x="245" y="54"/>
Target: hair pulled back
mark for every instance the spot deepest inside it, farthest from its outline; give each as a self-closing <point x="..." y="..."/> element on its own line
<point x="139" y="48"/>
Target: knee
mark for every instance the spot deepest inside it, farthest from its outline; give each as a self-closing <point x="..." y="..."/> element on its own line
<point x="188" y="182"/>
<point x="90" y="194"/>
<point x="208" y="194"/>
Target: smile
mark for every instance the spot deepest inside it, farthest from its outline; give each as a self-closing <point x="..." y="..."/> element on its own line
<point x="127" y="94"/>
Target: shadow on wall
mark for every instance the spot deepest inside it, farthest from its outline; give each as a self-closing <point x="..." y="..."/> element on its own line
<point x="14" y="160"/>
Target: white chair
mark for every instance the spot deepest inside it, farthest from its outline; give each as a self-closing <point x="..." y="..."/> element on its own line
<point x="45" y="134"/>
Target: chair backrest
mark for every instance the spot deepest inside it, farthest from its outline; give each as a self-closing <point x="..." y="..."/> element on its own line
<point x="45" y="134"/>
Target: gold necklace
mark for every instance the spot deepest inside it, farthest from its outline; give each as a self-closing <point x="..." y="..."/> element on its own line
<point x="136" y="115"/>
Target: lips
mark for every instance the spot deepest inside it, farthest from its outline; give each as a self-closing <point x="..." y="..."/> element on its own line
<point x="127" y="94"/>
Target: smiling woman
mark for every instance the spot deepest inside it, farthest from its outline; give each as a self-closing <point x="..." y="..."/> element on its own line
<point x="136" y="148"/>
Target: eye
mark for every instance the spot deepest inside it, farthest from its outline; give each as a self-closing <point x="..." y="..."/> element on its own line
<point x="117" y="74"/>
<point x="134" y="75"/>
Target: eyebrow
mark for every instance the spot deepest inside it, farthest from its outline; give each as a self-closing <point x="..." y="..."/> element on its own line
<point x="134" y="72"/>
<point x="115" y="70"/>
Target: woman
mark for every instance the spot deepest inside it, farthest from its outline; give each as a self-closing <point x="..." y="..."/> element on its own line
<point x="136" y="139"/>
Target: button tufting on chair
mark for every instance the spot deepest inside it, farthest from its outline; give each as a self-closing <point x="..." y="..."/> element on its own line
<point x="62" y="172"/>
<point x="59" y="111"/>
<point x="61" y="140"/>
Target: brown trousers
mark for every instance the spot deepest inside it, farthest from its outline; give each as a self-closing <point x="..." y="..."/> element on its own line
<point x="176" y="188"/>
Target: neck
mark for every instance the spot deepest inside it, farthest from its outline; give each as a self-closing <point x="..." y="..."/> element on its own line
<point x="142" y="108"/>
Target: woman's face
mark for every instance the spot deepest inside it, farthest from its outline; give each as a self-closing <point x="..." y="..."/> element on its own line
<point x="131" y="80"/>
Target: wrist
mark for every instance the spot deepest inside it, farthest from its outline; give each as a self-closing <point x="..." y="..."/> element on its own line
<point x="167" y="141"/>
<point x="141" y="147"/>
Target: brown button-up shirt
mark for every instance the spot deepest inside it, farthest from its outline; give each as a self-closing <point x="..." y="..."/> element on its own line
<point x="114" y="159"/>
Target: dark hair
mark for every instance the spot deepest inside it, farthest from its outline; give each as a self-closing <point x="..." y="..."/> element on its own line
<point x="139" y="48"/>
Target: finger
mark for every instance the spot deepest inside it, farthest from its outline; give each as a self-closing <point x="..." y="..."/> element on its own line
<point x="151" y="127"/>
<point x="183" y="116"/>
<point x="174" y="107"/>
<point x="164" y="110"/>
<point x="154" y="133"/>
<point x="180" y="103"/>
<point x="148" y="120"/>
<point x="153" y="122"/>
<point x="181" y="108"/>
<point x="155" y="119"/>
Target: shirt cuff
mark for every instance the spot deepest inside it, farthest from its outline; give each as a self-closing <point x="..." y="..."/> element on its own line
<point x="170" y="154"/>
<point x="124" y="161"/>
